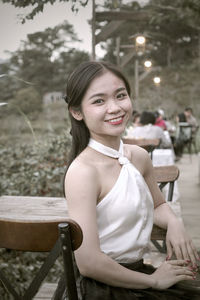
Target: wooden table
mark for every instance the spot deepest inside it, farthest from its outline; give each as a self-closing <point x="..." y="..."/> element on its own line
<point x="38" y="213"/>
<point x="23" y="208"/>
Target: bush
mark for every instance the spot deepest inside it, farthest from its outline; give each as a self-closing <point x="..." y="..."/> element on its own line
<point x="34" y="170"/>
<point x="28" y="100"/>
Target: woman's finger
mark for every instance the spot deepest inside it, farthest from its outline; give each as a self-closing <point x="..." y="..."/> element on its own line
<point x="180" y="262"/>
<point x="193" y="255"/>
<point x="184" y="271"/>
<point x="169" y="249"/>
<point x="178" y="252"/>
<point x="185" y="252"/>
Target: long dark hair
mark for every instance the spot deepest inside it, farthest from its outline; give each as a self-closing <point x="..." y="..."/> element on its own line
<point x="77" y="85"/>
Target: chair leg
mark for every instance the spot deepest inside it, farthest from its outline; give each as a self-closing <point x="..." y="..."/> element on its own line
<point x="64" y="230"/>
<point x="60" y="289"/>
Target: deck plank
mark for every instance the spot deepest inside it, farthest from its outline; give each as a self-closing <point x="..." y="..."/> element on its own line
<point x="46" y="291"/>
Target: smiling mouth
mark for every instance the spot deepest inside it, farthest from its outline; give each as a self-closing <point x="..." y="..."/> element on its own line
<point x="118" y="120"/>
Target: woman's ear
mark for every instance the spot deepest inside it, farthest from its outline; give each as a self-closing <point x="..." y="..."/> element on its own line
<point x="76" y="114"/>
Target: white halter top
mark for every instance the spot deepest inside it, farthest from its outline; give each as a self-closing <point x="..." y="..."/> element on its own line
<point x="125" y="214"/>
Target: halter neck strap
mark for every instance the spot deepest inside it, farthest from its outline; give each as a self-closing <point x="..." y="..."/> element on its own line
<point x="109" y="151"/>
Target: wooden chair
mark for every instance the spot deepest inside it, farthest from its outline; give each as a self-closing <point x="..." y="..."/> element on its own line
<point x="148" y="144"/>
<point x="43" y="236"/>
<point x="167" y="175"/>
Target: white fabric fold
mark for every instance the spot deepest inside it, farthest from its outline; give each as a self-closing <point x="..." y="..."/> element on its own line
<point x="110" y="151"/>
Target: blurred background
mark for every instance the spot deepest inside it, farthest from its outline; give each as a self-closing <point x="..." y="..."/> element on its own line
<point x="156" y="43"/>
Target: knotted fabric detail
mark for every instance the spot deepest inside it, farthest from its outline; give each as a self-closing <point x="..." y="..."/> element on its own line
<point x="110" y="151"/>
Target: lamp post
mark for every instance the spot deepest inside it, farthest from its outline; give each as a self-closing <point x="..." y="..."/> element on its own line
<point x="157" y="81"/>
<point x="139" y="48"/>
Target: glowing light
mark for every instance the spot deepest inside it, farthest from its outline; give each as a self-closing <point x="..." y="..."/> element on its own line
<point x="148" y="64"/>
<point x="156" y="80"/>
<point x="140" y="40"/>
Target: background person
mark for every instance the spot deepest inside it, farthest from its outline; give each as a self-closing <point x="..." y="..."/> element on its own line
<point x="160" y="122"/>
<point x="148" y="130"/>
<point x="135" y="122"/>
<point x="112" y="194"/>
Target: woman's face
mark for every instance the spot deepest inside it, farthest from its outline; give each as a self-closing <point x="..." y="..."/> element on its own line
<point x="106" y="106"/>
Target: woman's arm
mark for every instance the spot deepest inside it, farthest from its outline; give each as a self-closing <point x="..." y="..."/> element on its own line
<point x="82" y="189"/>
<point x="177" y="240"/>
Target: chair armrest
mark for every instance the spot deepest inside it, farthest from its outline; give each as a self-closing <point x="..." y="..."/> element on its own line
<point x="158" y="233"/>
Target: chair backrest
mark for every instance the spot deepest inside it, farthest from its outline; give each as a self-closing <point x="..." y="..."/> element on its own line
<point x="141" y="142"/>
<point x="165" y="175"/>
<point x="43" y="236"/>
<point x="148" y="144"/>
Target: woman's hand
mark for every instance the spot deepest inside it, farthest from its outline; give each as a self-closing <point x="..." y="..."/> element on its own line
<point x="178" y="241"/>
<point x="171" y="272"/>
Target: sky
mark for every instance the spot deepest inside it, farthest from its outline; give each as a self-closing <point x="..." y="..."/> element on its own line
<point x="12" y="31"/>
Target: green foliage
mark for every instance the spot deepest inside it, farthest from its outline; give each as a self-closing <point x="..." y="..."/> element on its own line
<point x="20" y="268"/>
<point x="28" y="100"/>
<point x="38" y="5"/>
<point x="34" y="170"/>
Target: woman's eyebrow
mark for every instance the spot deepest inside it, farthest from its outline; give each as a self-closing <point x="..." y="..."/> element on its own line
<point x="120" y="89"/>
<point x="102" y="94"/>
<point x="97" y="95"/>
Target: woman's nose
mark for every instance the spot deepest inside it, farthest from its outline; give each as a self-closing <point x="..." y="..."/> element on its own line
<point x="113" y="106"/>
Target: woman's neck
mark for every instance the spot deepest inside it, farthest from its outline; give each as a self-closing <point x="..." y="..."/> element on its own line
<point x="109" y="141"/>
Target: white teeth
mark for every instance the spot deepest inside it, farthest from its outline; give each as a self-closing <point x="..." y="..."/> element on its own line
<point x="116" y="120"/>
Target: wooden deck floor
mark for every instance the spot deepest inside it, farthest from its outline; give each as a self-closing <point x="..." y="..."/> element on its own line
<point x="46" y="291"/>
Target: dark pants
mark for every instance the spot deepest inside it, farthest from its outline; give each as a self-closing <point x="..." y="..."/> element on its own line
<point x="95" y="290"/>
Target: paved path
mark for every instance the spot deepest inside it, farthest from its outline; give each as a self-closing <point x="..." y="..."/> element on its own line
<point x="189" y="187"/>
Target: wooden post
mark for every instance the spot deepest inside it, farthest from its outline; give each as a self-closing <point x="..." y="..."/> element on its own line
<point x="118" y="49"/>
<point x="93" y="56"/>
<point x="136" y="79"/>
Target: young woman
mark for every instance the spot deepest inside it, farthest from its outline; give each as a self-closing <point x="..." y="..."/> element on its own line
<point x="112" y="194"/>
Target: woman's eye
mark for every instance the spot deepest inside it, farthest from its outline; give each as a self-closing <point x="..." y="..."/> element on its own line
<point x="121" y="95"/>
<point x="98" y="101"/>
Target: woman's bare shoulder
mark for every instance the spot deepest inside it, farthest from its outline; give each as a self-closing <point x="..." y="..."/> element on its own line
<point x="132" y="151"/>
<point x="80" y="169"/>
<point x="138" y="156"/>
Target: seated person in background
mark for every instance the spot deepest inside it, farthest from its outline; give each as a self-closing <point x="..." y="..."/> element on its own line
<point x="136" y="118"/>
<point x="135" y="122"/>
<point x="184" y="135"/>
<point x="160" y="122"/>
<point x="190" y="119"/>
<point x="181" y="118"/>
<point x="148" y="130"/>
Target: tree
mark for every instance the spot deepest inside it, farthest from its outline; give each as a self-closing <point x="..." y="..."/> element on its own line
<point x="38" y="5"/>
<point x="37" y="60"/>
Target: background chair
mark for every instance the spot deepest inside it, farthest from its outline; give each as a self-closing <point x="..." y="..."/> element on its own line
<point x="148" y="144"/>
<point x="43" y="237"/>
<point x="165" y="175"/>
